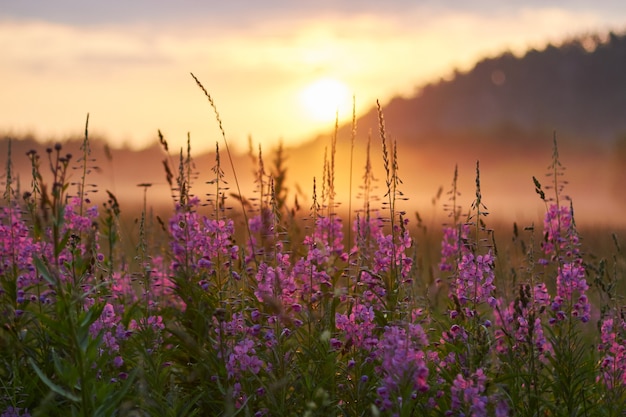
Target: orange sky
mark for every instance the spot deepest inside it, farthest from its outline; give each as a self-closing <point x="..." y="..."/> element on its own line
<point x="132" y="75"/>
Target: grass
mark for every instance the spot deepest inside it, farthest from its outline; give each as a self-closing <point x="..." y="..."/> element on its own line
<point x="254" y="311"/>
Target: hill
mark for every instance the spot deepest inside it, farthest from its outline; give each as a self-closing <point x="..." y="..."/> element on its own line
<point x="577" y="89"/>
<point x="503" y="113"/>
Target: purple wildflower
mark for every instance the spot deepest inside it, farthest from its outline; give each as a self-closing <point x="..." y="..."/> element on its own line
<point x="522" y="322"/>
<point x="474" y="282"/>
<point x="561" y="238"/>
<point x="403" y="362"/>
<point x="613" y="348"/>
<point x="198" y="241"/>
<point x="243" y="358"/>
<point x="469" y="397"/>
<point x="452" y="246"/>
<point x="358" y="327"/>
<point x="15" y="412"/>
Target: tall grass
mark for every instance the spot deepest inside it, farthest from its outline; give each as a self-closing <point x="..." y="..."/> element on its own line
<point x="298" y="318"/>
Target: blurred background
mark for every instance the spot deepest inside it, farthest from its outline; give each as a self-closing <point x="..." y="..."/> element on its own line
<point x="490" y="81"/>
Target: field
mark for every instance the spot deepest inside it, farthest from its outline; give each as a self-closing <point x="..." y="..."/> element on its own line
<point x="252" y="306"/>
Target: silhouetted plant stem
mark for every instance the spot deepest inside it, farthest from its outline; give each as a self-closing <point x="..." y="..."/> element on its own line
<point x="84" y="160"/>
<point x="230" y="158"/>
<point x="352" y="140"/>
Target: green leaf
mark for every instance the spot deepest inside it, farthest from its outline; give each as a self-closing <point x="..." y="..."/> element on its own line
<point x="54" y="387"/>
<point x="111" y="402"/>
<point x="44" y="271"/>
<point x="91" y="315"/>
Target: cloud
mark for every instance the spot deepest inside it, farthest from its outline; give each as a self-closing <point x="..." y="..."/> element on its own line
<point x="81" y="13"/>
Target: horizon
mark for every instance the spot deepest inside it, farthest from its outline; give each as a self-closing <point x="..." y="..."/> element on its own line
<point x="280" y="75"/>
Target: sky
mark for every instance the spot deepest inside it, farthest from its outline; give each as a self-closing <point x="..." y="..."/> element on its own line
<point x="276" y="70"/>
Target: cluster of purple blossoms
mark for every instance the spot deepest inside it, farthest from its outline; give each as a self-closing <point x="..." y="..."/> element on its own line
<point x="197" y="241"/>
<point x="469" y="398"/>
<point x="243" y="358"/>
<point x="571" y="288"/>
<point x="153" y="323"/>
<point x="388" y="247"/>
<point x="277" y="282"/>
<point x="358" y="327"/>
<point x="16" y="245"/>
<point x="160" y="289"/>
<point x="15" y="412"/>
<point x="313" y="277"/>
<point x="108" y="323"/>
<point x="75" y="225"/>
<point x="474" y="282"/>
<point x="613" y="349"/>
<point x="237" y="343"/>
<point x="453" y="246"/>
<point x="113" y="332"/>
<point x="76" y="222"/>
<point x="560" y="237"/>
<point x="385" y="253"/>
<point x="329" y="235"/>
<point x="373" y="243"/>
<point x="263" y="235"/>
<point x="561" y="245"/>
<point x="455" y="333"/>
<point x="17" y="250"/>
<point x="522" y="322"/>
<point x="373" y="289"/>
<point x="402" y="363"/>
<point x="313" y="272"/>
<point x="122" y="289"/>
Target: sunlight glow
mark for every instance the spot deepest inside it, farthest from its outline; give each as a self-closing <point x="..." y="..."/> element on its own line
<point x="324" y="98"/>
<point x="305" y="68"/>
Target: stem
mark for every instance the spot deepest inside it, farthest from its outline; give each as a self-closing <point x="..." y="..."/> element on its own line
<point x="81" y="191"/>
<point x="352" y="138"/>
<point x="230" y="158"/>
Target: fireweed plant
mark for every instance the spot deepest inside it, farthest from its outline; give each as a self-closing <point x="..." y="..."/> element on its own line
<point x="290" y="318"/>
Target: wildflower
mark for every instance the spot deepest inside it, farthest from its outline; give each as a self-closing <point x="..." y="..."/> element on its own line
<point x="469" y="397"/>
<point x="560" y="237"/>
<point x="15" y="412"/>
<point x="198" y="241"/>
<point x="17" y="250"/>
<point x="118" y="361"/>
<point x="474" y="282"/>
<point x="243" y="358"/>
<point x="387" y="249"/>
<point x="570" y="281"/>
<point x="613" y="347"/>
<point x="402" y="362"/>
<point x="522" y="322"/>
<point x="452" y="246"/>
<point x="358" y="327"/>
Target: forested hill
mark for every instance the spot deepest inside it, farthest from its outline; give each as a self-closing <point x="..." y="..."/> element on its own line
<point x="577" y="89"/>
<point x="503" y="113"/>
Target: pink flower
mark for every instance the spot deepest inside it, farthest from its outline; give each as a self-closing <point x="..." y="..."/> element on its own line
<point x="474" y="282"/>
<point x="402" y="361"/>
<point x="452" y="246"/>
<point x="243" y="358"/>
<point x="613" y="348"/>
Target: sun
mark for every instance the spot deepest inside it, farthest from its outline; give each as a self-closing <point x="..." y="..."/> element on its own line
<point x="324" y="98"/>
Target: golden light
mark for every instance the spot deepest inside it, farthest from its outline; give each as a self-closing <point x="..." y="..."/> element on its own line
<point x="324" y="98"/>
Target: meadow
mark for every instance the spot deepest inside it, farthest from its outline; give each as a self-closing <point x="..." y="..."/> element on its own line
<point x="252" y="306"/>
